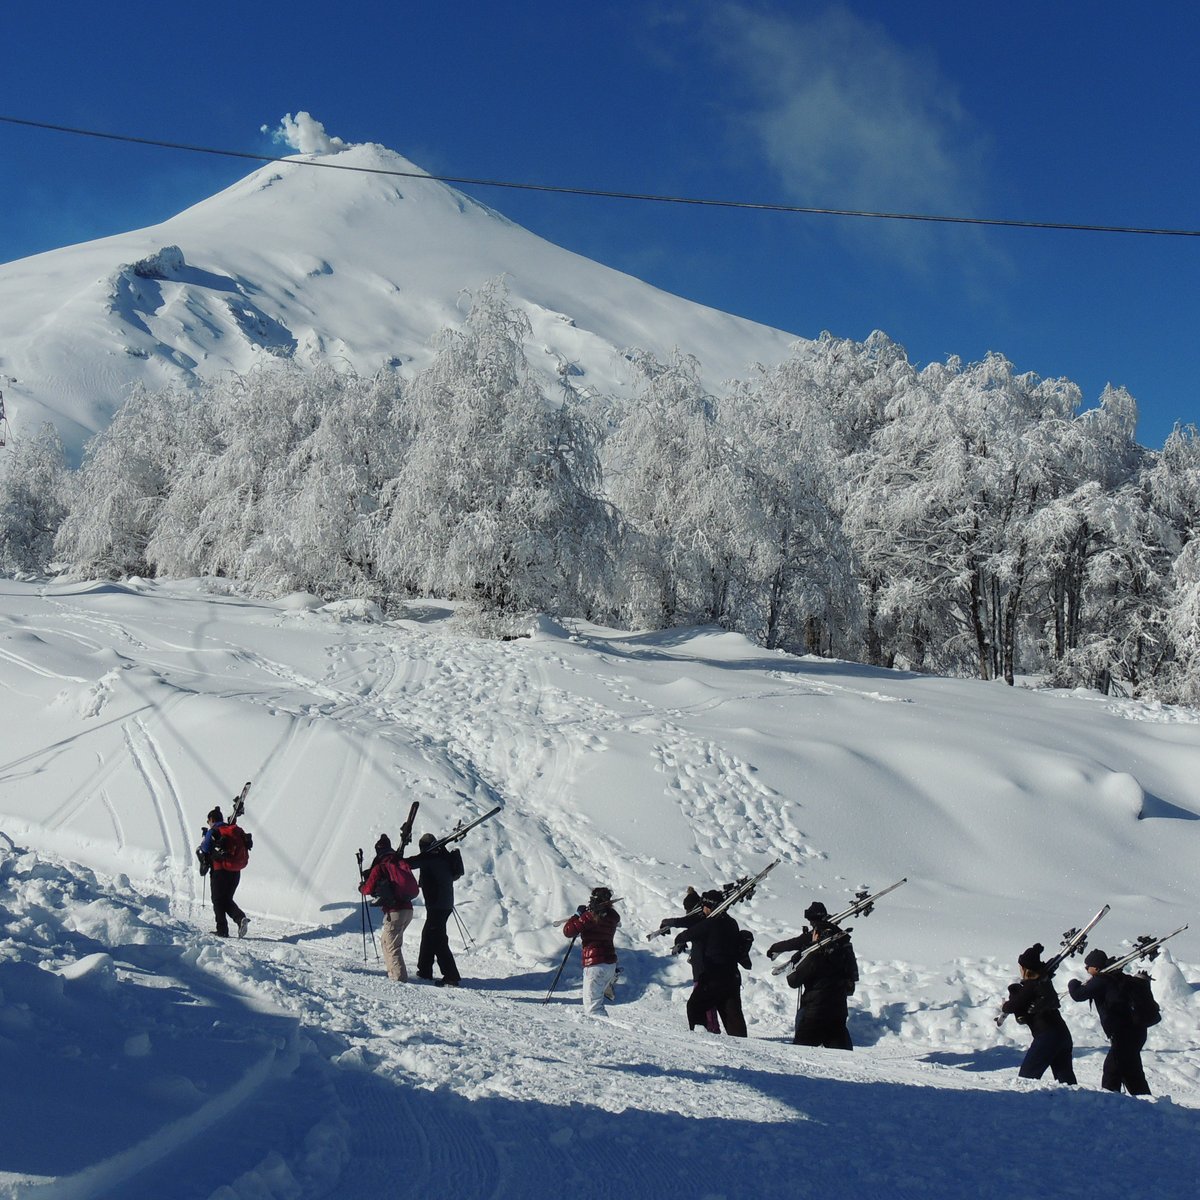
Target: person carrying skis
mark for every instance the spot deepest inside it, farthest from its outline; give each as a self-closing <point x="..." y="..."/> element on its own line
<point x="1034" y="1002"/>
<point x="692" y="915"/>
<point x="718" y="947"/>
<point x="1126" y="1035"/>
<point x="826" y="977"/>
<point x="439" y="868"/>
<point x="595" y="924"/>
<point x="391" y="884"/>
<point x="225" y="848"/>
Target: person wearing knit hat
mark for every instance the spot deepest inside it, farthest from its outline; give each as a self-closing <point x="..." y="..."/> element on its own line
<point x="1123" y="1063"/>
<point x="1031" y="959"/>
<point x="225" y="851"/>
<point x="1034" y="1002"/>
<point x="391" y="883"/>
<point x="826" y="977"/>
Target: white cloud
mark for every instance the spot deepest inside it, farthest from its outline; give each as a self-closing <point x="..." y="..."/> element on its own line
<point x="848" y="117"/>
<point x="306" y="135"/>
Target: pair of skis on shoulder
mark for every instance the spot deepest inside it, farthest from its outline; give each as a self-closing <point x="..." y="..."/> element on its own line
<point x="863" y="906"/>
<point x="742" y="890"/>
<point x="406" y="831"/>
<point x="1074" y="941"/>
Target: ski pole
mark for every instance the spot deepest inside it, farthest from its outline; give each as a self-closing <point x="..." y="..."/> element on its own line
<point x="365" y="912"/>
<point x="362" y="904"/>
<point x="559" y="971"/>
<point x="371" y="929"/>
<point x="462" y="929"/>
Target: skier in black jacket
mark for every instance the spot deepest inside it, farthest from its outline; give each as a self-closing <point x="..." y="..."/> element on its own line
<point x="439" y="869"/>
<point x="718" y="947"/>
<point x="1123" y="1063"/>
<point x="827" y="978"/>
<point x="693" y="914"/>
<point x="1034" y="1002"/>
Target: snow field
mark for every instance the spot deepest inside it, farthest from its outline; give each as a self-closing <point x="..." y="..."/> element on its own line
<point x="644" y="762"/>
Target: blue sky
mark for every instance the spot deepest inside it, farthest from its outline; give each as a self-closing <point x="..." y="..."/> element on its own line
<point x="1073" y="112"/>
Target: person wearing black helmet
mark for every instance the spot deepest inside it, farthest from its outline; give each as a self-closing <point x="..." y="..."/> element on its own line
<point x="718" y="947"/>
<point x="1034" y="1002"/>
<point x="1126" y="1035"/>
<point x="439" y="868"/>
<point x="826" y="978"/>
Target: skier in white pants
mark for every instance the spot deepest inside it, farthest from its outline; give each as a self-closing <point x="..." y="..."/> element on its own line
<point x="595" y="924"/>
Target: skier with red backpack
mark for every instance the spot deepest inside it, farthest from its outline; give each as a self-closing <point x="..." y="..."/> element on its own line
<point x="224" y="852"/>
<point x="391" y="884"/>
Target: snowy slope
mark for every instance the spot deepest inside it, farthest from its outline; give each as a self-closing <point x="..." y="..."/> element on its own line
<point x="307" y="263"/>
<point x="646" y="761"/>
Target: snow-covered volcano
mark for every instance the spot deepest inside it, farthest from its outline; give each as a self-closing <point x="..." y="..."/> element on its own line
<point x="323" y="257"/>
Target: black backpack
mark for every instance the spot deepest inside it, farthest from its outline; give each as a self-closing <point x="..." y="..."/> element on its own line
<point x="1138" y="994"/>
<point x="745" y="941"/>
<point x="456" y="864"/>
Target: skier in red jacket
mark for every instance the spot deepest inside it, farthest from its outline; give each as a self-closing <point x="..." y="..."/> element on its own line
<point x="392" y="885"/>
<point x="595" y="923"/>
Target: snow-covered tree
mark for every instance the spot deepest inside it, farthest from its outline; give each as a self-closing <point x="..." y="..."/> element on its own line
<point x="678" y="480"/>
<point x="213" y="520"/>
<point x="798" y="565"/>
<point x="497" y="499"/>
<point x="1183" y="626"/>
<point x="116" y="498"/>
<point x="32" y="507"/>
<point x="943" y="502"/>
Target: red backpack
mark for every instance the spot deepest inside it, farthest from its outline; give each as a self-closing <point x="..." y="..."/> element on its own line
<point x="231" y="848"/>
<point x="391" y="884"/>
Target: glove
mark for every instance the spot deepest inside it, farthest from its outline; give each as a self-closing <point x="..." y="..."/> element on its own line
<point x="665" y="923"/>
<point x="581" y="910"/>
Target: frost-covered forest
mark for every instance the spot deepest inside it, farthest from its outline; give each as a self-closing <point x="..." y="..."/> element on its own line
<point x="962" y="519"/>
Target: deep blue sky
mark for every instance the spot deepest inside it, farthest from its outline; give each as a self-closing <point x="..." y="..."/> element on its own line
<point x="1072" y="111"/>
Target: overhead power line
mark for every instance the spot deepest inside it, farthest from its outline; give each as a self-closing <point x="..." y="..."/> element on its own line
<point x="607" y="194"/>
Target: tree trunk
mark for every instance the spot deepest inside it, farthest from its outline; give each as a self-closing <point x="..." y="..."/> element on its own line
<point x="979" y="627"/>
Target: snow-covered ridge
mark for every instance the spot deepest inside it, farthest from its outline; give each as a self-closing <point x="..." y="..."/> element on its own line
<point x="305" y="262"/>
